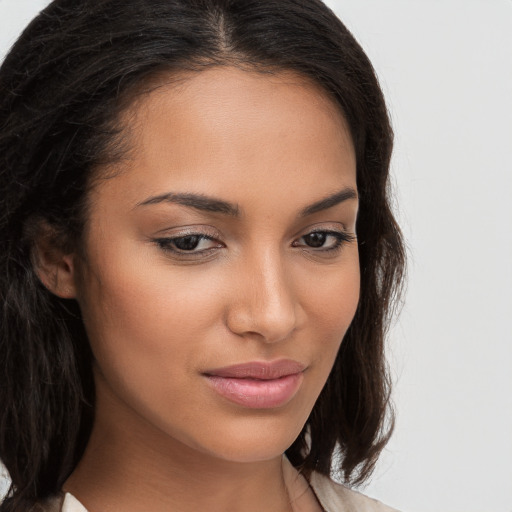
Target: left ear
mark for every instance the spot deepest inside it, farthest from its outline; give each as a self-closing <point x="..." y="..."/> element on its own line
<point x="55" y="267"/>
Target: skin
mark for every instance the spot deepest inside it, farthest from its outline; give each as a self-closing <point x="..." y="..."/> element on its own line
<point x="258" y="291"/>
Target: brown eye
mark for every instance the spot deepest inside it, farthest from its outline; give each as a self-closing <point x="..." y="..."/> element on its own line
<point x="195" y="245"/>
<point x="324" y="241"/>
<point x="187" y="243"/>
<point x="315" y="239"/>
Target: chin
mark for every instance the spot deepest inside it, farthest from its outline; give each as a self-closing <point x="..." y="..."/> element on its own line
<point x="253" y="440"/>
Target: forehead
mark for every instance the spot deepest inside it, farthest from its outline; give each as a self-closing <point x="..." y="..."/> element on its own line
<point x="226" y="129"/>
<point x="234" y="85"/>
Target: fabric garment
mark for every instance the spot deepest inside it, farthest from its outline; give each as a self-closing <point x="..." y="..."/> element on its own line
<point x="333" y="497"/>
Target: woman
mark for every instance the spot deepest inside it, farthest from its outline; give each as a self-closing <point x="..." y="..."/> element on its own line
<point x="198" y="258"/>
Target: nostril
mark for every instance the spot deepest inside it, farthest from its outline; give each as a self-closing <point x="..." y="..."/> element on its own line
<point x="270" y="324"/>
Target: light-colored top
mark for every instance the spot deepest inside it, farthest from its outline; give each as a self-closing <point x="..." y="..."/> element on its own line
<point x="333" y="497"/>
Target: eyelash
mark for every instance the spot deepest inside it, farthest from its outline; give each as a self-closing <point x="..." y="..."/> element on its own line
<point x="341" y="238"/>
<point x="168" y="244"/>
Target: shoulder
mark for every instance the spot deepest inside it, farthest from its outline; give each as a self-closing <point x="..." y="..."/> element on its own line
<point x="336" y="497"/>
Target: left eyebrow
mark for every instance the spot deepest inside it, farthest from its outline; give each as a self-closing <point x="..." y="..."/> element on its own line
<point x="329" y="201"/>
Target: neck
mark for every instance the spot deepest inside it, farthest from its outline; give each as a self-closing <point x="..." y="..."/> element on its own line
<point x="131" y="466"/>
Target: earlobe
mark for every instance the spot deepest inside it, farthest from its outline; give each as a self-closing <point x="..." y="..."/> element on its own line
<point x="55" y="268"/>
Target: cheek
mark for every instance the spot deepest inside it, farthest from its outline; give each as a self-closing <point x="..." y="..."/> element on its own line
<point x="138" y="312"/>
<point x="331" y="309"/>
<point x="333" y="298"/>
<point x="147" y="327"/>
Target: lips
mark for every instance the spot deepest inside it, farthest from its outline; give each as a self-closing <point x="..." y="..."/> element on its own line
<point x="258" y="385"/>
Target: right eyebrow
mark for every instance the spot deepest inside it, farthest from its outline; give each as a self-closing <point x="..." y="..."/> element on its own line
<point x="197" y="201"/>
<point x="329" y="201"/>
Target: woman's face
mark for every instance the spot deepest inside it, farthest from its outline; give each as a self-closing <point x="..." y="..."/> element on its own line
<point x="226" y="239"/>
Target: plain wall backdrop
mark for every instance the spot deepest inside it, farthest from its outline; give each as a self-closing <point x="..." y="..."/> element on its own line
<point x="446" y="69"/>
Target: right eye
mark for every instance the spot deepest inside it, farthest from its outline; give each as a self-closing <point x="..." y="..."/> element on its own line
<point x="190" y="244"/>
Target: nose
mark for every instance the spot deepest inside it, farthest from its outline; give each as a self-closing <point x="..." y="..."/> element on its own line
<point x="264" y="304"/>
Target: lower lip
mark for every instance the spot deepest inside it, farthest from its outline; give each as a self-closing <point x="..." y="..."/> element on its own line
<point x="257" y="394"/>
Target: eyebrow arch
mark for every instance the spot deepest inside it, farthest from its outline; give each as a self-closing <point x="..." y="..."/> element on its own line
<point x="329" y="201"/>
<point x="197" y="201"/>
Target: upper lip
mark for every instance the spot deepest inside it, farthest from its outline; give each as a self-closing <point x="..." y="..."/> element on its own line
<point x="262" y="370"/>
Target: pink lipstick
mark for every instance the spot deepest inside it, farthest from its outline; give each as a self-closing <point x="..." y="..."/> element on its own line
<point x="258" y="385"/>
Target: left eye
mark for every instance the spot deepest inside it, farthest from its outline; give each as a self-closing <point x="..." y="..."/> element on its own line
<point x="324" y="240"/>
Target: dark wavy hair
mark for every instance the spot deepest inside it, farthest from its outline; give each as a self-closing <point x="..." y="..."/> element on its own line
<point x="63" y="88"/>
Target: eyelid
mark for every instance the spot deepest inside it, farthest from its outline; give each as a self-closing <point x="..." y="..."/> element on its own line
<point x="193" y="229"/>
<point x="325" y="227"/>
